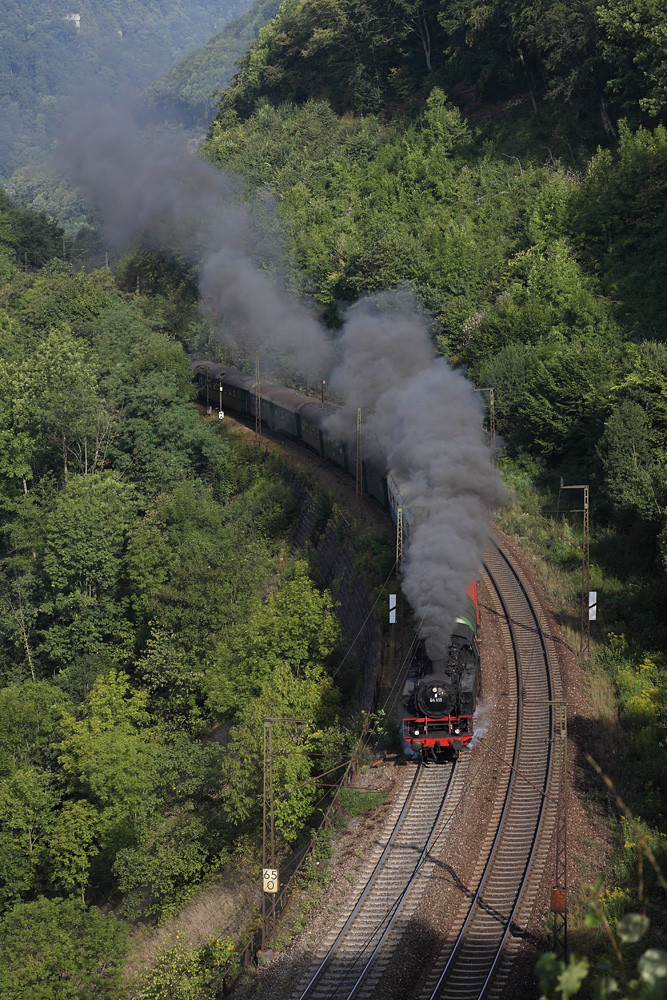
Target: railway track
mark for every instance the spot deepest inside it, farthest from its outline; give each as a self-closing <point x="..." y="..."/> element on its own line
<point x="477" y="957"/>
<point x="482" y="938"/>
<point x="359" y="947"/>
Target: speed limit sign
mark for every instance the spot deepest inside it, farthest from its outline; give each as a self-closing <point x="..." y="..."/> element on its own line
<point x="270" y="876"/>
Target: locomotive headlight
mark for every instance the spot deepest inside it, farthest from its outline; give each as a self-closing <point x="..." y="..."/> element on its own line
<point x="416" y="732"/>
<point x="457" y="731"/>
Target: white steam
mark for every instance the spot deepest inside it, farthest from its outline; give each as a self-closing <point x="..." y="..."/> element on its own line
<point x="421" y="419"/>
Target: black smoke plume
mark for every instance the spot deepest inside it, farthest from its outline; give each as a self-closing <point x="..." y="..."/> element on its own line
<point x="424" y="421"/>
<point x="421" y="419"/>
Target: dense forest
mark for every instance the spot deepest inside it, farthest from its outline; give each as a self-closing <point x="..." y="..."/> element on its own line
<point x="587" y="61"/>
<point x="508" y="163"/>
<point x="147" y="596"/>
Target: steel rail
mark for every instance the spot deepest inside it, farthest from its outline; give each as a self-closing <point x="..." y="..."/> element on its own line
<point x="458" y="963"/>
<point x="390" y="912"/>
<point x="487" y="867"/>
<point x="401" y="899"/>
<point x="366" y="890"/>
<point x="512" y="784"/>
<point x="547" y="778"/>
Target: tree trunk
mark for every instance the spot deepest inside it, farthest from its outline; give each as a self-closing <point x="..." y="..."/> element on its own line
<point x="424" y="34"/>
<point x="529" y="80"/>
<point x="27" y="649"/>
<point x="606" y="121"/>
<point x="20" y="621"/>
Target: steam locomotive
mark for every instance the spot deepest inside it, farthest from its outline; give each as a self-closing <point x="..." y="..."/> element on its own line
<point x="440" y="697"/>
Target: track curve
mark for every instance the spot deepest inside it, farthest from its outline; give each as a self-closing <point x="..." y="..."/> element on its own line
<point x="483" y="937"/>
<point x="474" y="963"/>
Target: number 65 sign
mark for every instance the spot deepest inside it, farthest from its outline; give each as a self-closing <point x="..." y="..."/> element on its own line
<point x="270" y="878"/>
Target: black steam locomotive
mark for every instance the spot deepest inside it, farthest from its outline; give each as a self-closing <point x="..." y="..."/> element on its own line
<point x="440" y="696"/>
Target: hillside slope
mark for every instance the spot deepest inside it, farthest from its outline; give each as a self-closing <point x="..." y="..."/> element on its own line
<point x="47" y="49"/>
<point x="588" y="62"/>
<point x="186" y="92"/>
<point x="541" y="262"/>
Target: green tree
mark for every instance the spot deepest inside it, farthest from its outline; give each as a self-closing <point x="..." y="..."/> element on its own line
<point x="634" y="44"/>
<point x="179" y="840"/>
<point x="160" y="436"/>
<point x="33" y="238"/>
<point x="59" y="297"/>
<point x="185" y="972"/>
<point x="633" y="460"/>
<point x="275" y="667"/>
<point x="173" y="677"/>
<point x="287" y="640"/>
<point x="16" y="444"/>
<point x="107" y="755"/>
<point x="73" y="843"/>
<point x="55" y="408"/>
<point x="158" y="873"/>
<point x="443" y="124"/>
<point x="28" y="801"/>
<point x="18" y="621"/>
<point x="84" y="548"/>
<point x="29" y="717"/>
<point x="552" y="399"/>
<point x="351" y="53"/>
<point x="59" y="950"/>
<point x="632" y="450"/>
<point x="619" y="222"/>
<point x="200" y="588"/>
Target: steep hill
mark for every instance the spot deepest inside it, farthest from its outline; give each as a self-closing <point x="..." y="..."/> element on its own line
<point x="589" y="61"/>
<point x="452" y="148"/>
<point x="186" y="93"/>
<point x="47" y="49"/>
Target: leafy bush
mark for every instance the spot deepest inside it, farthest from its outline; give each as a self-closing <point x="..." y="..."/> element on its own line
<point x="187" y="972"/>
<point x="355" y="802"/>
<point x="643" y="977"/>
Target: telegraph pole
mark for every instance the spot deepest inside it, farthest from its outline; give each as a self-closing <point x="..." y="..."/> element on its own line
<point x="270" y="876"/>
<point x="399" y="538"/>
<point x="585" y="628"/>
<point x="258" y="402"/>
<point x="358" y="471"/>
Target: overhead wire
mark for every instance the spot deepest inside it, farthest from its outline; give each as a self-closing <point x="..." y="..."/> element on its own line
<point x="365" y="621"/>
<point x="393" y="905"/>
